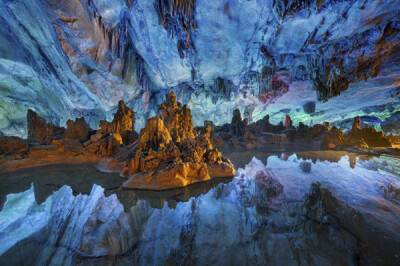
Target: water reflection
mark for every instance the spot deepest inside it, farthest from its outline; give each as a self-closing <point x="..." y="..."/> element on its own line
<point x="80" y="178"/>
<point x="241" y="157"/>
<point x="312" y="208"/>
<point x="171" y="197"/>
<point x="47" y="179"/>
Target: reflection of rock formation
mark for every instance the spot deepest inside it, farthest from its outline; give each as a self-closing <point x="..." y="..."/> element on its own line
<point x="346" y="221"/>
<point x="66" y="228"/>
<point x="157" y="199"/>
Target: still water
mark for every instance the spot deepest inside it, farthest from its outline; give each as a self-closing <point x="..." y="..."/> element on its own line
<point x="291" y="208"/>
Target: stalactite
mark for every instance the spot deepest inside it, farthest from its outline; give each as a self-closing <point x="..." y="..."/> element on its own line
<point x="177" y="17"/>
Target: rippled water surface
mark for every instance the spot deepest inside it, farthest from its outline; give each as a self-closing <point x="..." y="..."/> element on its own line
<point x="281" y="208"/>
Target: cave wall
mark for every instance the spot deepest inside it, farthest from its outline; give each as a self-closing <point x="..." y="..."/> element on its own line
<point x="79" y="58"/>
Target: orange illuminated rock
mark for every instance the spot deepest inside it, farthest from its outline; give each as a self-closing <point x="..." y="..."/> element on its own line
<point x="368" y="135"/>
<point x="77" y="129"/>
<point x="41" y="132"/>
<point x="154" y="135"/>
<point x="167" y="154"/>
<point x="177" y="119"/>
<point x="105" y="147"/>
<point x="358" y="137"/>
<point x="13" y="145"/>
<point x="67" y="145"/>
<point x="103" y="127"/>
<point x="172" y="155"/>
<point x="123" y="123"/>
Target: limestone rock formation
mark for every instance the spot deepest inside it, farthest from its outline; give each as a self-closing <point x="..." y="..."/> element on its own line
<point x="335" y="138"/>
<point x="172" y="154"/>
<point x="238" y="126"/>
<point x="304" y="132"/>
<point x="12" y="145"/>
<point x="154" y="135"/>
<point x="105" y="147"/>
<point x="67" y="146"/>
<point x="41" y="132"/>
<point x="78" y="129"/>
<point x="369" y="135"/>
<point x="169" y="152"/>
<point x="123" y="123"/>
<point x="110" y="136"/>
<point x="239" y="133"/>
<point x="177" y="118"/>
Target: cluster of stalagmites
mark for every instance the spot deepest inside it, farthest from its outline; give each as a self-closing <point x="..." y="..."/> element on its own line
<point x="171" y="152"/>
<point x="78" y="137"/>
<point x="241" y="134"/>
<point x="168" y="152"/>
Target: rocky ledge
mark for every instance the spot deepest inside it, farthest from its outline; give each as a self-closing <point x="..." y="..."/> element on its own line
<point x="239" y="133"/>
<point x="168" y="152"/>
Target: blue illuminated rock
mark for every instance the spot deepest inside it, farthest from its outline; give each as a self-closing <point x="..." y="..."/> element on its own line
<point x="67" y="59"/>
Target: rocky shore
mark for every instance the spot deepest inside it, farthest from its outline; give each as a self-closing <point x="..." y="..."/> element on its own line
<point x="239" y="133"/>
<point x="167" y="153"/>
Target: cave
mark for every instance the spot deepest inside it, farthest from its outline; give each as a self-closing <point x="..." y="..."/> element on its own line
<point x="199" y="132"/>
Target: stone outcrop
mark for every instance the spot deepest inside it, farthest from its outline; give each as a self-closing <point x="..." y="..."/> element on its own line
<point x="70" y="145"/>
<point x="77" y="129"/>
<point x="41" y="132"/>
<point x="105" y="147"/>
<point x="358" y="137"/>
<point x="335" y="138"/>
<point x="238" y="126"/>
<point x="110" y="136"/>
<point x="123" y="123"/>
<point x="177" y="119"/>
<point x="154" y="135"/>
<point x="305" y="132"/>
<point x="240" y="134"/>
<point x="171" y="154"/>
<point x="369" y="135"/>
<point x="12" y="145"/>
